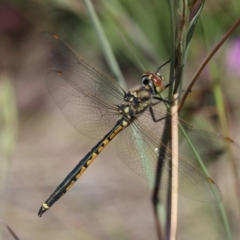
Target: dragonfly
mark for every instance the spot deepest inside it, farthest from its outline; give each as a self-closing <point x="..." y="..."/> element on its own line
<point x="99" y="108"/>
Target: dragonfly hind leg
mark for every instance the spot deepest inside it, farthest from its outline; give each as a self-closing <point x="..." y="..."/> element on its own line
<point x="153" y="116"/>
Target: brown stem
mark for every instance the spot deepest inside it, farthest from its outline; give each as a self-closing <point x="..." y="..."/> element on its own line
<point x="205" y="62"/>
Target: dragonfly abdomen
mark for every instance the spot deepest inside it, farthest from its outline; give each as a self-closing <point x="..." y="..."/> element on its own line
<point x="73" y="176"/>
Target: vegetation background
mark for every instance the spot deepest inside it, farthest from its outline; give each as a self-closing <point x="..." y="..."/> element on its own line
<point x="38" y="147"/>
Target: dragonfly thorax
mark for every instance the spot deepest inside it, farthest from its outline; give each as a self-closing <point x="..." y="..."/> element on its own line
<point x="135" y="103"/>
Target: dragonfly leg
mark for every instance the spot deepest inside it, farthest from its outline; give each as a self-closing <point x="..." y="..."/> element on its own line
<point x="162" y="100"/>
<point x="153" y="116"/>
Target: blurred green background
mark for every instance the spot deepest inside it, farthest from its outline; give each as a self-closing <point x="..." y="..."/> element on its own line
<point x="38" y="147"/>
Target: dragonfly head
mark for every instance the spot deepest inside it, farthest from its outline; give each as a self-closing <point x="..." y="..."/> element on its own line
<point x="153" y="82"/>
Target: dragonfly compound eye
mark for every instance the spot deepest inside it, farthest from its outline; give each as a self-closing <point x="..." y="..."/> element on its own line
<point x="145" y="81"/>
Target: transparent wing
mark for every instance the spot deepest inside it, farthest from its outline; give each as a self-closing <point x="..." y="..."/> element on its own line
<point x="138" y="147"/>
<point x="209" y="145"/>
<point x="86" y="96"/>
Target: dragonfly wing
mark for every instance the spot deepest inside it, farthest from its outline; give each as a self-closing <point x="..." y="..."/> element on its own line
<point x="138" y="147"/>
<point x="209" y="145"/>
<point x="86" y="96"/>
<point x="91" y="118"/>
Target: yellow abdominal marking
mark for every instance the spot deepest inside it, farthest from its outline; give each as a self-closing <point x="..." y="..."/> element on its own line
<point x="81" y="172"/>
<point x="100" y="148"/>
<point x="91" y="159"/>
<point x="70" y="185"/>
<point x="106" y="141"/>
<point x="45" y="206"/>
<point x="120" y="128"/>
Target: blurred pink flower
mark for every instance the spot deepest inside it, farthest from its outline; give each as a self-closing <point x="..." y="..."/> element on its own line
<point x="233" y="57"/>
